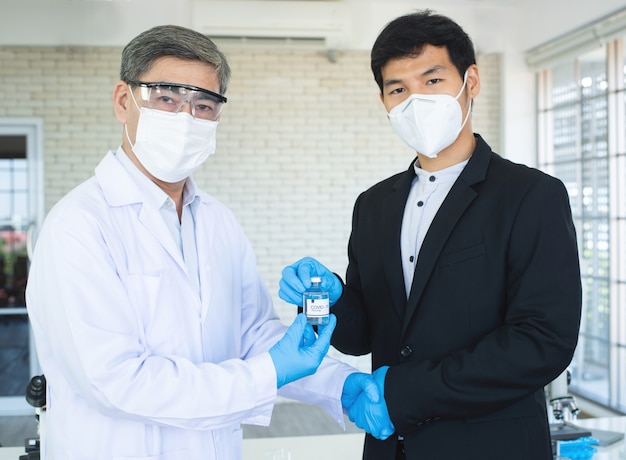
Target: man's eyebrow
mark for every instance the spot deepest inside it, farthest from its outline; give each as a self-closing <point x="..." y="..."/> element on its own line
<point x="392" y="81"/>
<point x="433" y="70"/>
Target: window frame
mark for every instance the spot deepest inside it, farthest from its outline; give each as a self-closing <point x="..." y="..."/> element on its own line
<point x="615" y="95"/>
<point x="32" y="129"/>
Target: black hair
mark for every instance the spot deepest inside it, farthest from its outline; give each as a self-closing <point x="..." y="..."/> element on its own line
<point x="408" y="34"/>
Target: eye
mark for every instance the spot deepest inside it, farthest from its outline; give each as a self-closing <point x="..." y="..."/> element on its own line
<point x="398" y="90"/>
<point x="204" y="107"/>
<point x="433" y="81"/>
<point x="165" y="100"/>
<point x="164" y="97"/>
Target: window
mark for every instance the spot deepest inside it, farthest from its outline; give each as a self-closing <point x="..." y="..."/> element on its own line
<point x="13" y="225"/>
<point x="582" y="140"/>
<point x="20" y="214"/>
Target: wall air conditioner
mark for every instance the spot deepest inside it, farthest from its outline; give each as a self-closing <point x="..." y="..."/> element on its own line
<point x="292" y="23"/>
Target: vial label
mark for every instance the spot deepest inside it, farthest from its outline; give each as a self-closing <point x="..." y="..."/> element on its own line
<point x="316" y="303"/>
<point x="316" y="308"/>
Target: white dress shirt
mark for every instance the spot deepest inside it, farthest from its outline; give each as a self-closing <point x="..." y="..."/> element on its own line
<point x="425" y="198"/>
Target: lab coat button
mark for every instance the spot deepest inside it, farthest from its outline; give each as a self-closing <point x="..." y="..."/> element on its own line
<point x="406" y="351"/>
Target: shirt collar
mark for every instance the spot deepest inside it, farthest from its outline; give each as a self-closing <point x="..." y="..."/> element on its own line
<point x="190" y="192"/>
<point x="449" y="173"/>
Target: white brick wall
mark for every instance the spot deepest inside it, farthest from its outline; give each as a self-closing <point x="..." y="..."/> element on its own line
<point x="300" y="138"/>
<point x="487" y="106"/>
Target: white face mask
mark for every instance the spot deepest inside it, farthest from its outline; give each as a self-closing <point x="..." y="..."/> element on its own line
<point x="171" y="146"/>
<point x="429" y="123"/>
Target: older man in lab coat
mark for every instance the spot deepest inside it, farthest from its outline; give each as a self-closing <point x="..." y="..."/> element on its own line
<point x="155" y="332"/>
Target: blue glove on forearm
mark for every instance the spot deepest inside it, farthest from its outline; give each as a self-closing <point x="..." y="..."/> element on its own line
<point x="373" y="417"/>
<point x="297" y="279"/>
<point x="299" y="353"/>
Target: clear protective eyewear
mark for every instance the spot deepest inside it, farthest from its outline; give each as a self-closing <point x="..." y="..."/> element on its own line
<point x="172" y="97"/>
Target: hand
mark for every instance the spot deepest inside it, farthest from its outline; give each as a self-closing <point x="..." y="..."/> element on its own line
<point x="357" y="384"/>
<point x="297" y="278"/>
<point x="373" y="417"/>
<point x="299" y="353"/>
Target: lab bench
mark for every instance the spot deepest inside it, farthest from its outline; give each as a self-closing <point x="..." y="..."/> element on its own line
<point x="350" y="446"/>
<point x="328" y="447"/>
<point x="616" y="451"/>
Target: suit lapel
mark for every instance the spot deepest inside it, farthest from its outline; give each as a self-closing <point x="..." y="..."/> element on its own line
<point x="391" y="218"/>
<point x="460" y="197"/>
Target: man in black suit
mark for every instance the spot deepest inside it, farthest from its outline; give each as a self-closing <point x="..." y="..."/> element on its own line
<point x="463" y="279"/>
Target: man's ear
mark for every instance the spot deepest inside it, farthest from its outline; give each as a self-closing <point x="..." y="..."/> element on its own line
<point x="121" y="101"/>
<point x="473" y="81"/>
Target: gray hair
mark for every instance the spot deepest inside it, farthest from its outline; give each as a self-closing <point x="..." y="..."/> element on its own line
<point x="141" y="52"/>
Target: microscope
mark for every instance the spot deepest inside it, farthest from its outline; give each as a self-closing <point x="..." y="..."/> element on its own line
<point x="564" y="407"/>
<point x="36" y="397"/>
<point x="564" y="410"/>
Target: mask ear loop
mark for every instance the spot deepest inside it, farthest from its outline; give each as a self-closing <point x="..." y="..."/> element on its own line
<point x="132" y="96"/>
<point x="462" y="87"/>
<point x="471" y="103"/>
<point x="132" y="146"/>
<point x="469" y="110"/>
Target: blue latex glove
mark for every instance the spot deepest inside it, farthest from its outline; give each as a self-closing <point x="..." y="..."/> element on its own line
<point x="373" y="417"/>
<point x="297" y="279"/>
<point x="299" y="353"/>
<point x="357" y="384"/>
<point x="578" y="449"/>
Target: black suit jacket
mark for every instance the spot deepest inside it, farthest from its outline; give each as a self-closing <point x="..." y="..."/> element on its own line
<point x="492" y="317"/>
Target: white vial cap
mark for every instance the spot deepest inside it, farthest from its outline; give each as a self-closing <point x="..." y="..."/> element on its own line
<point x="316" y="279"/>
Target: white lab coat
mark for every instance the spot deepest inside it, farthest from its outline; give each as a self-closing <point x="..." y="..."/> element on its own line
<point x="138" y="365"/>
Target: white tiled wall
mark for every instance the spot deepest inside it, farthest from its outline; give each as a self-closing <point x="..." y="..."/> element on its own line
<point x="300" y="138"/>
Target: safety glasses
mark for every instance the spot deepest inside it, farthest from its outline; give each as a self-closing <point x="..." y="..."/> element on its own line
<point x="172" y="97"/>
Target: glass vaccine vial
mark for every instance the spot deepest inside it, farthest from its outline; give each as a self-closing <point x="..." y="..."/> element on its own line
<point x="316" y="303"/>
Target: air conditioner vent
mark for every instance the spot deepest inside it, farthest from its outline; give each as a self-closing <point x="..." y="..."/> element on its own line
<point x="302" y="21"/>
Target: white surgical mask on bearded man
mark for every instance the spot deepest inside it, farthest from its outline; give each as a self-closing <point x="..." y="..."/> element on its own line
<point x="428" y="123"/>
<point x="171" y="146"/>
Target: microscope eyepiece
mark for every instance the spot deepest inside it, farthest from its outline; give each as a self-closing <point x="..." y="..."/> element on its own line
<point x="36" y="391"/>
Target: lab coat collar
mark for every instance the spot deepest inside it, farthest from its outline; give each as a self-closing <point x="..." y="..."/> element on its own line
<point x="117" y="185"/>
<point x="120" y="188"/>
<point x="153" y="192"/>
